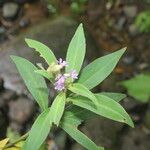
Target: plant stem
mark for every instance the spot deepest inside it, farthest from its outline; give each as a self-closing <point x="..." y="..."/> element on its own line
<point x="23" y="137"/>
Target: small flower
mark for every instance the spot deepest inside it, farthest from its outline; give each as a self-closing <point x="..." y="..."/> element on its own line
<point x="60" y="82"/>
<point x="59" y="87"/>
<point x="63" y="79"/>
<point x="74" y="74"/>
<point x="62" y="63"/>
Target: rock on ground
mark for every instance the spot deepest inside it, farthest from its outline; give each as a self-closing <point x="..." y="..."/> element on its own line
<point x="10" y="10"/>
<point x="56" y="34"/>
<point x="20" y="111"/>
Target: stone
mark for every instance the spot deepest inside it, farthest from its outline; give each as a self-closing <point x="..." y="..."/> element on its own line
<point x="130" y="11"/>
<point x="20" y="110"/>
<point x="56" y="34"/>
<point x="10" y="10"/>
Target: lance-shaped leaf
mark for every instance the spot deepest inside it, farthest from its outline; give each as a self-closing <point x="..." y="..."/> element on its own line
<point x="57" y="108"/>
<point x="99" y="69"/>
<point x="34" y="82"/>
<point x="45" y="74"/>
<point x="106" y="107"/>
<point x="79" y="136"/>
<point x="72" y="118"/>
<point x="38" y="132"/>
<point x="76" y="51"/>
<point x="115" y="96"/>
<point x="44" y="51"/>
<point x="80" y="89"/>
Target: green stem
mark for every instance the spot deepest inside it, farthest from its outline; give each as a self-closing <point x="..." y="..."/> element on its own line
<point x="23" y="137"/>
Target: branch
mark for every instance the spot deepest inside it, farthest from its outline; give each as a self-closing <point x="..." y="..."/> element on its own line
<point x="23" y="137"/>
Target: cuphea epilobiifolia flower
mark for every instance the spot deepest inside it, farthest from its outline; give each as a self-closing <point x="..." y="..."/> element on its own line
<point x="62" y="79"/>
<point x="62" y="63"/>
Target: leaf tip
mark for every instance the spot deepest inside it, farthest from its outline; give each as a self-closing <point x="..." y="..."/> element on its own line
<point x="81" y="25"/>
<point x="124" y="49"/>
<point x="13" y="57"/>
<point x="129" y="122"/>
<point x="132" y="124"/>
<point x="28" y="41"/>
<point x="121" y="52"/>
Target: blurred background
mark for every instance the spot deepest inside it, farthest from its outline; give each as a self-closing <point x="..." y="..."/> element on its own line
<point x="109" y="25"/>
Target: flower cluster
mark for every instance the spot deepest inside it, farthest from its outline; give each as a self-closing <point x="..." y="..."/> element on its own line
<point x="62" y="79"/>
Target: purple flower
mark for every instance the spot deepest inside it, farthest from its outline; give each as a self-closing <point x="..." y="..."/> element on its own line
<point x="60" y="82"/>
<point x="59" y="87"/>
<point x="74" y="74"/>
<point x="62" y="62"/>
<point x="62" y="79"/>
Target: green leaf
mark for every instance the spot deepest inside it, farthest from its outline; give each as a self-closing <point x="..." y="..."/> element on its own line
<point x="34" y="82"/>
<point x="138" y="87"/>
<point x="76" y="51"/>
<point x="106" y="107"/>
<point x="80" y="89"/>
<point x="57" y="108"/>
<point x="99" y="69"/>
<point x="38" y="132"/>
<point x="45" y="74"/>
<point x="74" y="115"/>
<point x="115" y="96"/>
<point x="44" y="51"/>
<point x="80" y="137"/>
